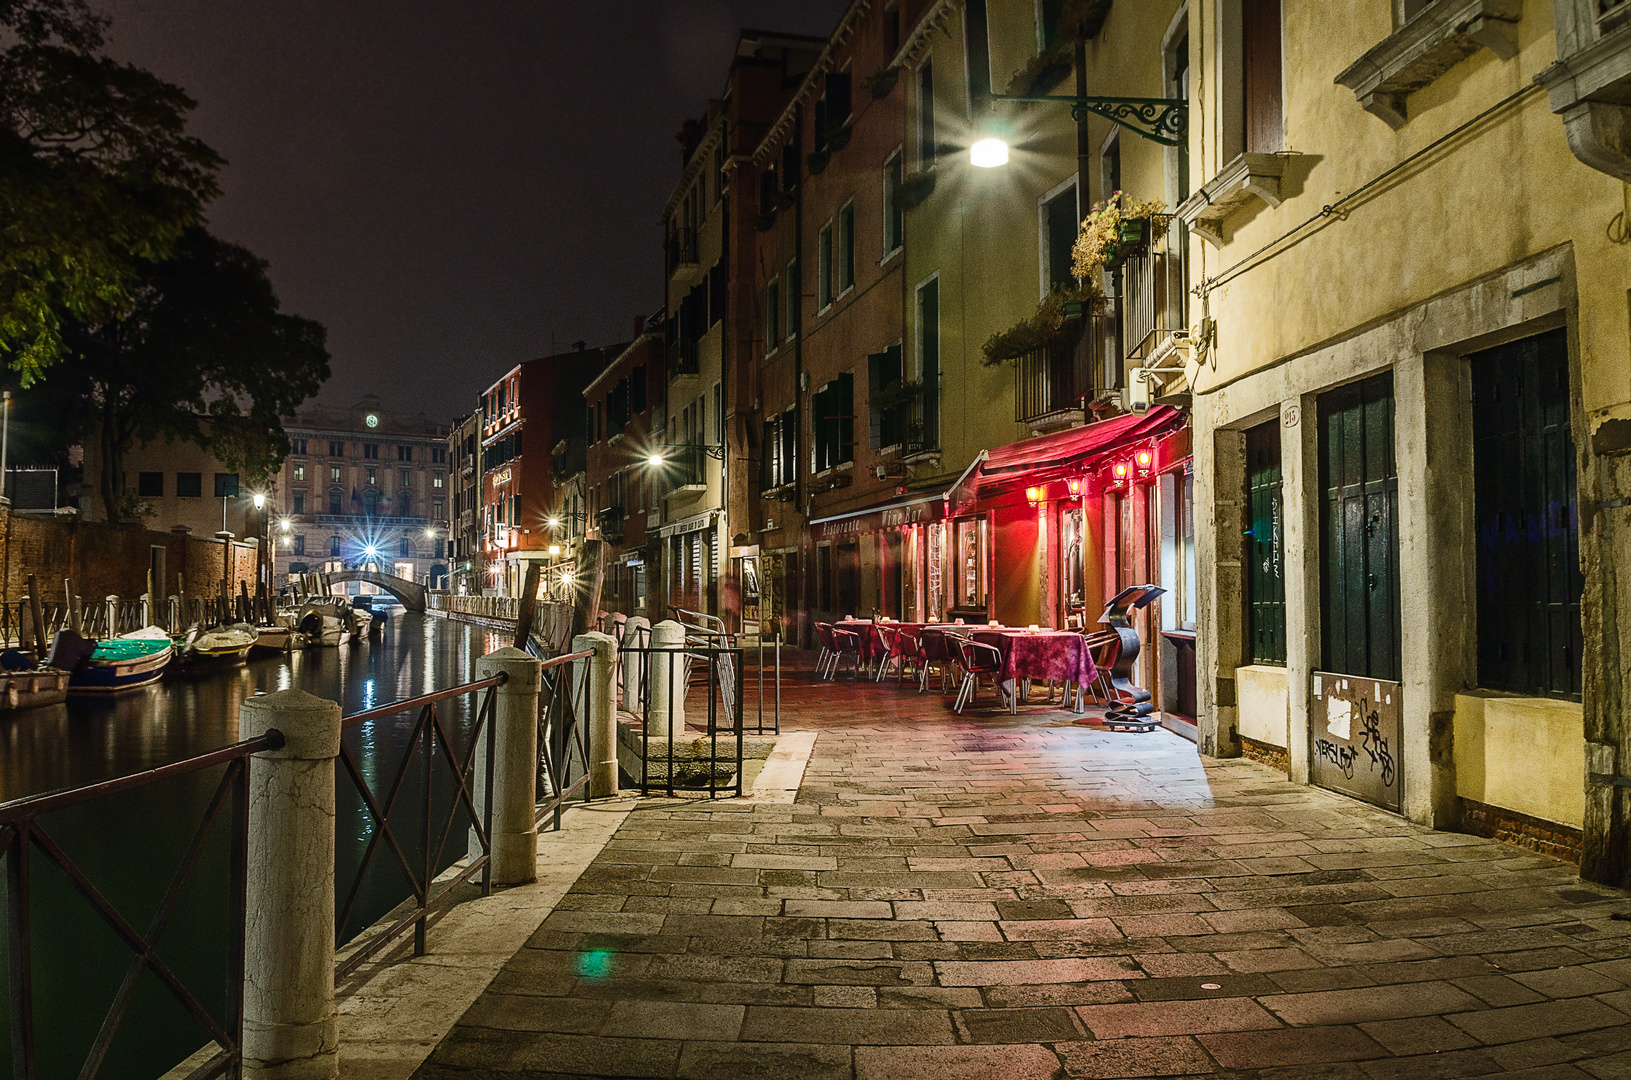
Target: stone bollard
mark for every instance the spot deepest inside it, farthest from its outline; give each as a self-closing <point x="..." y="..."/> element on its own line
<point x="290" y="1022"/>
<point x="514" y="836"/>
<point x="601" y="717"/>
<point x="667" y="679"/>
<point x="636" y="634"/>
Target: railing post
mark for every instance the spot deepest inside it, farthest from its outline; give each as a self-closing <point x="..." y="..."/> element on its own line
<point x="513" y="837"/>
<point x="600" y="671"/>
<point x="290" y="1022"/>
<point x="667" y="678"/>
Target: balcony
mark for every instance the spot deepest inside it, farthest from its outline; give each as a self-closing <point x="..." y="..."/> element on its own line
<point x="1590" y="85"/>
<point x="610" y="523"/>
<point x="1154" y="315"/>
<point x="377" y="521"/>
<point x="684" y="359"/>
<point x="1054" y="383"/>
<point x="684" y="472"/>
<point x="684" y="265"/>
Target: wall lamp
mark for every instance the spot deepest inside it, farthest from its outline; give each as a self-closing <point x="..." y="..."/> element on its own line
<point x="1160" y="120"/>
<point x="659" y="455"/>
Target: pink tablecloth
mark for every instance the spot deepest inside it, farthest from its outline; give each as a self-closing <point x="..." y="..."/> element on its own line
<point x="1054" y="655"/>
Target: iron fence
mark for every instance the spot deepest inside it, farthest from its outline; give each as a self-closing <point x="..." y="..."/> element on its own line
<point x="679" y="751"/>
<point x="563" y="727"/>
<point x="1059" y="375"/>
<point x="24" y="838"/>
<point x="432" y="747"/>
<point x="1154" y="298"/>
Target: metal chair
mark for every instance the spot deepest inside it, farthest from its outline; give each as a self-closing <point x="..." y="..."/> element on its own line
<point x="885" y="640"/>
<point x="845" y="643"/>
<point x="828" y="653"/>
<point x="1104" y="647"/>
<point x="979" y="661"/>
<point x="908" y="651"/>
<point x="936" y="647"/>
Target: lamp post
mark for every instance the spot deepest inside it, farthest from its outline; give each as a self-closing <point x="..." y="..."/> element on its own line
<point x="261" y="520"/>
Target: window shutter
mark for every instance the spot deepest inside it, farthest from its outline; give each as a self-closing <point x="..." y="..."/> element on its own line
<point x="790" y="442"/>
<point x="821" y="119"/>
<point x="790" y="166"/>
<point x="874" y="387"/>
<point x="838" y="98"/>
<point x="845" y="422"/>
<point x="893" y="428"/>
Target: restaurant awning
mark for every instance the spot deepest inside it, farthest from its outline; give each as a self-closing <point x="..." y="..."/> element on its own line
<point x="1048" y="456"/>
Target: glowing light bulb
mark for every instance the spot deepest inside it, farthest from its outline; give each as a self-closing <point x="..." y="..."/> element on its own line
<point x="988" y="153"/>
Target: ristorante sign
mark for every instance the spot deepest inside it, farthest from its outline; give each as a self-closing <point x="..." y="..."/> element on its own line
<point x="929" y="508"/>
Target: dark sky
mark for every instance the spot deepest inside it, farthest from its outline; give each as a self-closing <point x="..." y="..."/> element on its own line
<point x="450" y="186"/>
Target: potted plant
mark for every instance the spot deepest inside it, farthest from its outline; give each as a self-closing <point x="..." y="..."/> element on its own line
<point x="880" y="82"/>
<point x="1115" y="229"/>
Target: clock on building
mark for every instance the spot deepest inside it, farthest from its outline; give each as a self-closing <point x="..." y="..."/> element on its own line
<point x="372" y="420"/>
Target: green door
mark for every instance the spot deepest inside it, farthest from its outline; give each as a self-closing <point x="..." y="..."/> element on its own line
<point x="1359" y="526"/>
<point x="1265" y="570"/>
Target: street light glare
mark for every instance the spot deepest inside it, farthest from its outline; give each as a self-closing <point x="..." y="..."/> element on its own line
<point x="654" y="459"/>
<point x="988" y="153"/>
<point x="553" y="523"/>
<point x="370" y="551"/>
<point x="260" y="501"/>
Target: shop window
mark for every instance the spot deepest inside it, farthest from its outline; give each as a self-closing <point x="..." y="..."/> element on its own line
<point x="150" y="485"/>
<point x="970" y="584"/>
<point x="1359" y="530"/>
<point x="1528" y="541"/>
<point x="1264" y="551"/>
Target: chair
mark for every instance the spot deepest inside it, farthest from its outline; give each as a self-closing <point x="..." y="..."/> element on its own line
<point x="829" y="652"/>
<point x="908" y="651"/>
<point x="845" y="643"/>
<point x="979" y="661"/>
<point x="935" y="647"/>
<point x="885" y="640"/>
<point x="1104" y="647"/>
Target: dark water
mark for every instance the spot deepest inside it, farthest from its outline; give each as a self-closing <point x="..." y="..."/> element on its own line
<point x="132" y="845"/>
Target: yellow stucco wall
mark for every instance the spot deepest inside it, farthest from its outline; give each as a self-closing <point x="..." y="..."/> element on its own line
<point x="1505" y="189"/>
<point x="1523" y="754"/>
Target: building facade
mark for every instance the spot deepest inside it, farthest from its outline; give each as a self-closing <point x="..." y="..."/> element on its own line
<point x="464" y="509"/>
<point x="624" y="470"/>
<point x="363" y="487"/>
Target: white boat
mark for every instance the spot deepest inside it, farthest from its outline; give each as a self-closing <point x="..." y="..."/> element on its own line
<point x="325" y="622"/>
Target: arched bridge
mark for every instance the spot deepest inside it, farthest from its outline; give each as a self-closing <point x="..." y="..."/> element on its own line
<point x="412" y="595"/>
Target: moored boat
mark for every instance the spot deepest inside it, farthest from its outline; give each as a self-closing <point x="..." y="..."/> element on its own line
<point x="225" y="646"/>
<point x="121" y="663"/>
<point x="270" y="640"/>
<point x="325" y="622"/>
<point x="25" y="686"/>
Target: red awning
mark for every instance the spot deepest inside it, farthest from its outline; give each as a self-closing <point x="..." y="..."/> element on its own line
<point x="1066" y="450"/>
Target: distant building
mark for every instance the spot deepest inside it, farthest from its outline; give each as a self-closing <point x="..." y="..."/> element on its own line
<point x="464" y="511"/>
<point x="532" y="446"/>
<point x="172" y="485"/>
<point x="362" y="487"/>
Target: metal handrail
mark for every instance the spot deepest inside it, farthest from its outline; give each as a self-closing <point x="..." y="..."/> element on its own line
<point x="21" y="835"/>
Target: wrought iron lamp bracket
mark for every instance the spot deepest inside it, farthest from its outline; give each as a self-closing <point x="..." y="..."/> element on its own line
<point x="713" y="450"/>
<point x="1160" y="120"/>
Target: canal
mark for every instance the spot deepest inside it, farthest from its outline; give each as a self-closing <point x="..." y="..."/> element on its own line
<point x="131" y="845"/>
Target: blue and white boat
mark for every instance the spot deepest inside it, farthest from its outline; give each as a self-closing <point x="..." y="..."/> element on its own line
<point x="122" y="663"/>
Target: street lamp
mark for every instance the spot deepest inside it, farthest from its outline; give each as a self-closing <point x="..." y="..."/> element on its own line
<point x="659" y="455"/>
<point x="988" y="153"/>
<point x="1160" y="120"/>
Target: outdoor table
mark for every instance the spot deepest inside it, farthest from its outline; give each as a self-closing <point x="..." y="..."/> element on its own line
<point x="1060" y="656"/>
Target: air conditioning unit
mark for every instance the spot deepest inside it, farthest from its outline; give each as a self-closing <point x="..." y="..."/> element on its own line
<point x="1135" y="396"/>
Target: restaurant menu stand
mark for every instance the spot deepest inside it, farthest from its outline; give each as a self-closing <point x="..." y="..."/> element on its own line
<point x="1132" y="707"/>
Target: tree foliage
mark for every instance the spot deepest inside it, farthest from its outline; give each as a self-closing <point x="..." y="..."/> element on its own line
<point x="97" y="176"/>
<point x="203" y="355"/>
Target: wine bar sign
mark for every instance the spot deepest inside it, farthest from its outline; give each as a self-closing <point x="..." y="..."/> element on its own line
<point x="1354" y="739"/>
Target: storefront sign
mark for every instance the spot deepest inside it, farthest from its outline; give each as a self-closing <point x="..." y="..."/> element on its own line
<point x="930" y="508"/>
<point x="1353" y="739"/>
<point x="501" y="477"/>
<point x="692" y="524"/>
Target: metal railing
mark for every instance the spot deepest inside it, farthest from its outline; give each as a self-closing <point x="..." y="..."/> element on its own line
<point x="684" y="468"/>
<point x="704" y="631"/>
<point x="684" y="357"/>
<point x="563" y="727"/>
<point x="1154" y="297"/>
<point x="685" y="747"/>
<point x="682" y="249"/>
<point x="431" y="745"/>
<point x="23" y="838"/>
<point x="1064" y="373"/>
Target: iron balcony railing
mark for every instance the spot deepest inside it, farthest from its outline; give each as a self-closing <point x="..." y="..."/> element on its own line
<point x="682" y="249"/>
<point x="684" y="468"/>
<point x="1154" y="291"/>
<point x="1066" y="372"/>
<point x="375" y="520"/>
<point x="684" y="357"/>
<point x="610" y="522"/>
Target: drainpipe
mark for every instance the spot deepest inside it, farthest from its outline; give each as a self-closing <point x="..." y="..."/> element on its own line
<point x="800" y="446"/>
<point x="1084" y="140"/>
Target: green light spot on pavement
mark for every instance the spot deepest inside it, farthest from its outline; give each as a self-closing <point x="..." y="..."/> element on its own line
<point x="596" y="964"/>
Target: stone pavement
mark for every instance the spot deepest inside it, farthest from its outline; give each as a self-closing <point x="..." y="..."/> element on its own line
<point x="1020" y="897"/>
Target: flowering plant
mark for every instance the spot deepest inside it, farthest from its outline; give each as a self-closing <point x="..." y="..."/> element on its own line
<point x="1102" y="229"/>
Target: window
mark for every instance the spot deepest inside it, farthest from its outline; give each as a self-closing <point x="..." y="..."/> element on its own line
<point x="404" y="453"/>
<point x="969" y="584"/>
<point x="891" y="30"/>
<point x="845" y="242"/>
<point x="893" y="226"/>
<point x="404" y="547"/>
<point x="589" y="424"/>
<point x="300" y="472"/>
<point x="719" y="414"/>
<point x="370" y="450"/>
<point x="1178" y="87"/>
<point x="1260" y="32"/>
<point x="336" y="501"/>
<point x="791" y="292"/>
<point x="334" y="545"/>
<point x="885" y="412"/>
<point x="926" y="147"/>
<point x="1059" y="219"/>
<point x="833" y="422"/>
<point x="1265" y="565"/>
<point x="438" y="481"/>
<point x="1047" y="27"/>
<point x="438" y="509"/>
<point x="773" y="311"/>
<point x="1527" y="532"/>
<point x="824" y="267"/>
<point x="226" y="485"/>
<point x="297" y="446"/>
<point x="637" y="389"/>
<point x="299" y="543"/>
<point x="299" y="501"/>
<point x="780" y="450"/>
<point x="977" y="45"/>
<point x="336" y="448"/>
<point x="404" y="478"/>
<point x="370" y="503"/>
<point x="928" y="363"/>
<point x="1110" y="163"/>
<point x="833" y="109"/>
<point x="404" y="504"/>
<point x="372" y="474"/>
<point x="150" y="485"/>
<point x="438" y="455"/>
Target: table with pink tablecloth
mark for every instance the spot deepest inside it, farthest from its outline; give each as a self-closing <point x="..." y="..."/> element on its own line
<point x="1052" y="655"/>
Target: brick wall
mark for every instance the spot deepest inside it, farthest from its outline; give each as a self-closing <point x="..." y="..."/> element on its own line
<point x="1273" y="756"/>
<point x="1521" y="830"/>
<point x="108" y="560"/>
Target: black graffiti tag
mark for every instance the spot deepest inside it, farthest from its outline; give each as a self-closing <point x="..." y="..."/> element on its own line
<point x="1373" y="742"/>
<point x="1342" y="756"/>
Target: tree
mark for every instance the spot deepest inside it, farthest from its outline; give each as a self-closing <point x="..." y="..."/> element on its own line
<point x="97" y="176"/>
<point x="203" y="355"/>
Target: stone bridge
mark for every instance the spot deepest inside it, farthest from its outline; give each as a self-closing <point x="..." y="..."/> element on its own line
<point x="411" y="594"/>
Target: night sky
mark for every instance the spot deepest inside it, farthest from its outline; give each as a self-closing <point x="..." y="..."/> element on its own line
<point x="449" y="187"/>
